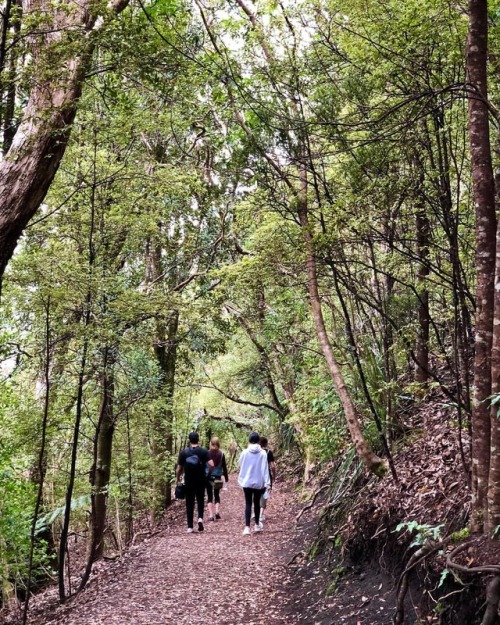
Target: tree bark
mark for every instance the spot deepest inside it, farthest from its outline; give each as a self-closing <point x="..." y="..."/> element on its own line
<point x="372" y="461"/>
<point x="39" y="144"/>
<point x="165" y="349"/>
<point x="166" y="355"/>
<point x="101" y="470"/>
<point x="422" y="343"/>
<point x="63" y="544"/>
<point x="492" y="517"/>
<point x="484" y="201"/>
<point x="42" y="456"/>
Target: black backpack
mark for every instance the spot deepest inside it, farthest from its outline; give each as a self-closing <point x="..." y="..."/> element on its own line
<point x="193" y="466"/>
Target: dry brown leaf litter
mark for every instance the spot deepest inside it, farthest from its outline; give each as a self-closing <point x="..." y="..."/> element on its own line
<point x="229" y="579"/>
<point x="216" y="576"/>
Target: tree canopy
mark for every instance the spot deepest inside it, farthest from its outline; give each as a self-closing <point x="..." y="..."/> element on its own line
<point x="225" y="216"/>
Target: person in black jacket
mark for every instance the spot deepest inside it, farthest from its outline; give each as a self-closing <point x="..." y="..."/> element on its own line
<point x="272" y="475"/>
<point x="214" y="480"/>
<point x="193" y="463"/>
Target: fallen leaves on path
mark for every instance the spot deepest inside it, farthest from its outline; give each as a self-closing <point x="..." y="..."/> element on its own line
<point x="217" y="576"/>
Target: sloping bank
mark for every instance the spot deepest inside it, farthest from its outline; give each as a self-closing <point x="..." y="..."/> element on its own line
<point x="400" y="552"/>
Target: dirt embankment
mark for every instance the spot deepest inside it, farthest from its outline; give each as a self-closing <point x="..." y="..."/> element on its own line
<point x="388" y="544"/>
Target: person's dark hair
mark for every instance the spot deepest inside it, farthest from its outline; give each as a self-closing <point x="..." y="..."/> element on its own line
<point x="194" y="437"/>
<point x="254" y="438"/>
<point x="263" y="441"/>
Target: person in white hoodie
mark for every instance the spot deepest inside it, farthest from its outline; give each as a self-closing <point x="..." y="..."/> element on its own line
<point x="254" y="479"/>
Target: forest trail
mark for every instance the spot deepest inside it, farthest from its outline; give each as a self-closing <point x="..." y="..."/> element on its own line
<point x="216" y="576"/>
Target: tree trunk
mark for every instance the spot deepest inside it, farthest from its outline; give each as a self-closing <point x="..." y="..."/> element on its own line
<point x="63" y="544"/>
<point x="165" y="348"/>
<point x="492" y="519"/>
<point x="484" y="201"/>
<point x="422" y="344"/>
<point x="42" y="462"/>
<point x="166" y="355"/>
<point x="372" y="461"/>
<point x="39" y="144"/>
<point x="101" y="470"/>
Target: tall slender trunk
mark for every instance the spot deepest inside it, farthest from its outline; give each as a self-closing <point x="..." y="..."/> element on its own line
<point x="166" y="355"/>
<point x="484" y="201"/>
<point x="372" y="461"/>
<point x="41" y="458"/>
<point x="165" y="349"/>
<point x="87" y="310"/>
<point x="422" y="344"/>
<point x="63" y="543"/>
<point x="492" y="517"/>
<point x="101" y="470"/>
<point x="130" y="491"/>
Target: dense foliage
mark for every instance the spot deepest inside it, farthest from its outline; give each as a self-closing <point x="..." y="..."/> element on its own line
<point x="226" y="160"/>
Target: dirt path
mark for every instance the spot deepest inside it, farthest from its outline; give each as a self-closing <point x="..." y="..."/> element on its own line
<point x="216" y="576"/>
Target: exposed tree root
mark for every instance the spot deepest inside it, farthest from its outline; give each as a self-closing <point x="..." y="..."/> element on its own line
<point x="492" y="599"/>
<point x="312" y="502"/>
<point x="419" y="556"/>
<point x="451" y="564"/>
<point x="493" y="588"/>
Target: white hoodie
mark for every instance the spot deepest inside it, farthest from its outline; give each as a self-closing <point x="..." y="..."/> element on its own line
<point x="254" y="468"/>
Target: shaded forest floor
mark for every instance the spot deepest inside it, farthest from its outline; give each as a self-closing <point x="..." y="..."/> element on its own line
<point x="221" y="576"/>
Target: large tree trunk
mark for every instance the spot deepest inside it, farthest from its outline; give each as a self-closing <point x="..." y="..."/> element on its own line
<point x="372" y="461"/>
<point x="39" y="144"/>
<point x="484" y="201"/>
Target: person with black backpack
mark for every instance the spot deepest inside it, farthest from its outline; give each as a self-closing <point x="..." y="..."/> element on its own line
<point x="214" y="481"/>
<point x="193" y="462"/>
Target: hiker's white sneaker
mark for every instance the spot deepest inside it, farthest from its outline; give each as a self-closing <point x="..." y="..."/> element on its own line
<point x="258" y="528"/>
<point x="190" y="530"/>
<point x="246" y="531"/>
<point x="262" y="517"/>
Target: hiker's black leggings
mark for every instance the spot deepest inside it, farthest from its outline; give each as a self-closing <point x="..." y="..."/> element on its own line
<point x="193" y="494"/>
<point x="252" y="495"/>
<point x="212" y="492"/>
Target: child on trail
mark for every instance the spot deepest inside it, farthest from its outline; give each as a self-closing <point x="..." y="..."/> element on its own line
<point x="214" y="481"/>
<point x="254" y="479"/>
<point x="193" y="463"/>
<point x="272" y="476"/>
